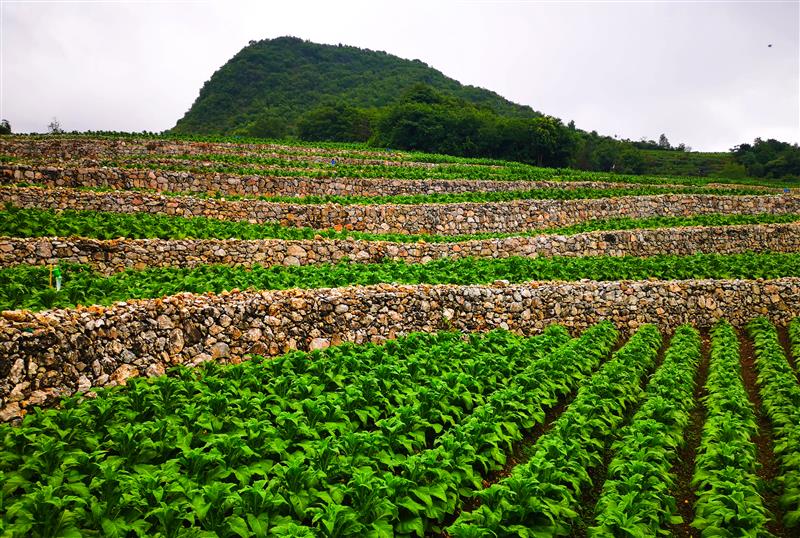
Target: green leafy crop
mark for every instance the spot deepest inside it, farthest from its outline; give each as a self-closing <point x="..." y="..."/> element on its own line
<point x="725" y="481"/>
<point x="636" y="498"/>
<point x="28" y="286"/>
<point x="780" y="395"/>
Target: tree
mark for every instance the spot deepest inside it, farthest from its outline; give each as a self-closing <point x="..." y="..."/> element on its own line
<point x="268" y="124"/>
<point x="663" y="142"/>
<point x="5" y="127"/>
<point x="54" y="127"/>
<point x="335" y="121"/>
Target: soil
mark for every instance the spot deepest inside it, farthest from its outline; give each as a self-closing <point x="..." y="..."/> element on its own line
<point x="683" y="470"/>
<point x="521" y="451"/>
<point x="768" y="468"/>
<point x="591" y="494"/>
<point x="786" y="344"/>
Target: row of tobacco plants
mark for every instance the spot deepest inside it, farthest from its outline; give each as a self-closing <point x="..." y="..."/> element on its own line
<point x="355" y="440"/>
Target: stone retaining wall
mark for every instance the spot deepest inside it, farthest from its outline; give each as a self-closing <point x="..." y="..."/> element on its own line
<point x="120" y="254"/>
<point x="73" y="149"/>
<point x="266" y="185"/>
<point x="57" y="352"/>
<point x="448" y="219"/>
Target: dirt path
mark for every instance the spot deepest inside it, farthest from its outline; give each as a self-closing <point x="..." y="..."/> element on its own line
<point x="768" y="468"/>
<point x="683" y="469"/>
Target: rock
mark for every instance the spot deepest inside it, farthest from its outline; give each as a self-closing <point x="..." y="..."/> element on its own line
<point x="123" y="373"/>
<point x="154" y="370"/>
<point x="84" y="384"/>
<point x="163" y="322"/>
<point x="176" y="342"/>
<point x="10" y="412"/>
<point x="319" y="343"/>
<point x="220" y="350"/>
<point x="341" y="308"/>
<point x="296" y="250"/>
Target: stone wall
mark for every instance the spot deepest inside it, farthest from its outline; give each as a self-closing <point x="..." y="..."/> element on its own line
<point x="448" y="219"/>
<point x="119" y="254"/>
<point x="57" y="352"/>
<point x="74" y="149"/>
<point x="267" y="185"/>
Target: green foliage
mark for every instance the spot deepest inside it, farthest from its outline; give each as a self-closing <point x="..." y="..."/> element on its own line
<point x="290" y="76"/>
<point x="308" y="444"/>
<point x="27" y="286"/>
<point x="16" y="222"/>
<point x="780" y="396"/>
<point x="287" y="86"/>
<point x="769" y="159"/>
<point x="335" y="122"/>
<point x="299" y="160"/>
<point x="5" y="127"/>
<point x="542" y="496"/>
<point x="636" y="499"/>
<point x="725" y="481"/>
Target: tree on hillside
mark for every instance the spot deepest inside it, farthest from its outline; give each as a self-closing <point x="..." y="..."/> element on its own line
<point x="335" y="121"/>
<point x="54" y="127"/>
<point x="663" y="142"/>
<point x="5" y="127"/>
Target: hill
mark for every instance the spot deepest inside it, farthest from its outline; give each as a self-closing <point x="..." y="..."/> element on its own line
<point x="277" y="80"/>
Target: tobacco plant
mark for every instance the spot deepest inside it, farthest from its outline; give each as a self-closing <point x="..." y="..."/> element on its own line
<point x="780" y="395"/>
<point x="636" y="499"/>
<point x="725" y="481"/>
<point x="542" y="496"/>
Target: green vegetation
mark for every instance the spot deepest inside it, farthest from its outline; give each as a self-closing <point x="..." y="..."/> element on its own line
<point x="725" y="480"/>
<point x="307" y="441"/>
<point x="16" y="222"/>
<point x="446" y="168"/>
<point x="290" y="87"/>
<point x="287" y="77"/>
<point x="551" y="481"/>
<point x="769" y="159"/>
<point x="27" y="286"/>
<point x="780" y="396"/>
<point x="636" y="498"/>
<point x="678" y="163"/>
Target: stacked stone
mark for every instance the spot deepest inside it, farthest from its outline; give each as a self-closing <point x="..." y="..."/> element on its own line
<point x="110" y="256"/>
<point x="50" y="354"/>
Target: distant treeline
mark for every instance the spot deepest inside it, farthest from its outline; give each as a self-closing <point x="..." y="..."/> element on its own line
<point x="427" y="120"/>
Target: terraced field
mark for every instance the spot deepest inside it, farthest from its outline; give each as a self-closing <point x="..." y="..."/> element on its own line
<point x="222" y="338"/>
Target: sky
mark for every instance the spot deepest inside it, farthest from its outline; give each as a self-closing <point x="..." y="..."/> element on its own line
<point x="702" y="72"/>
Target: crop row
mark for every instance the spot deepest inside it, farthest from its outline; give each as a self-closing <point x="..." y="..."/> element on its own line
<point x="16" y="222"/>
<point x="482" y="197"/>
<point x="29" y="287"/>
<point x="542" y="496"/>
<point x="636" y="499"/>
<point x="227" y="449"/>
<point x="780" y="395"/>
<point x="450" y="168"/>
<point x="725" y="480"/>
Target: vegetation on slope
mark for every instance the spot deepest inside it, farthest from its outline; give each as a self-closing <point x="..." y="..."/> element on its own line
<point x="16" y="222"/>
<point x="25" y="286"/>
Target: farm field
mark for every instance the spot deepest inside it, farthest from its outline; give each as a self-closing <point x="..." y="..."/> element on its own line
<point x="217" y="337"/>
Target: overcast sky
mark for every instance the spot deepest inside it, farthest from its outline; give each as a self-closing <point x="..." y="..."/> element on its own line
<point x="701" y="72"/>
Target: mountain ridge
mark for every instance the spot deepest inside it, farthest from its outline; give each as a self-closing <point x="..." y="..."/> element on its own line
<point x="283" y="78"/>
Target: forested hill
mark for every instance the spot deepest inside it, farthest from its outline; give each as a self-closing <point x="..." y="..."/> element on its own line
<point x="271" y="83"/>
<point x="287" y="87"/>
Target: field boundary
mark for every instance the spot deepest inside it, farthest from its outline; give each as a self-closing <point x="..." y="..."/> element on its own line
<point x="110" y="256"/>
<point x="57" y="352"/>
<point x="449" y="219"/>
